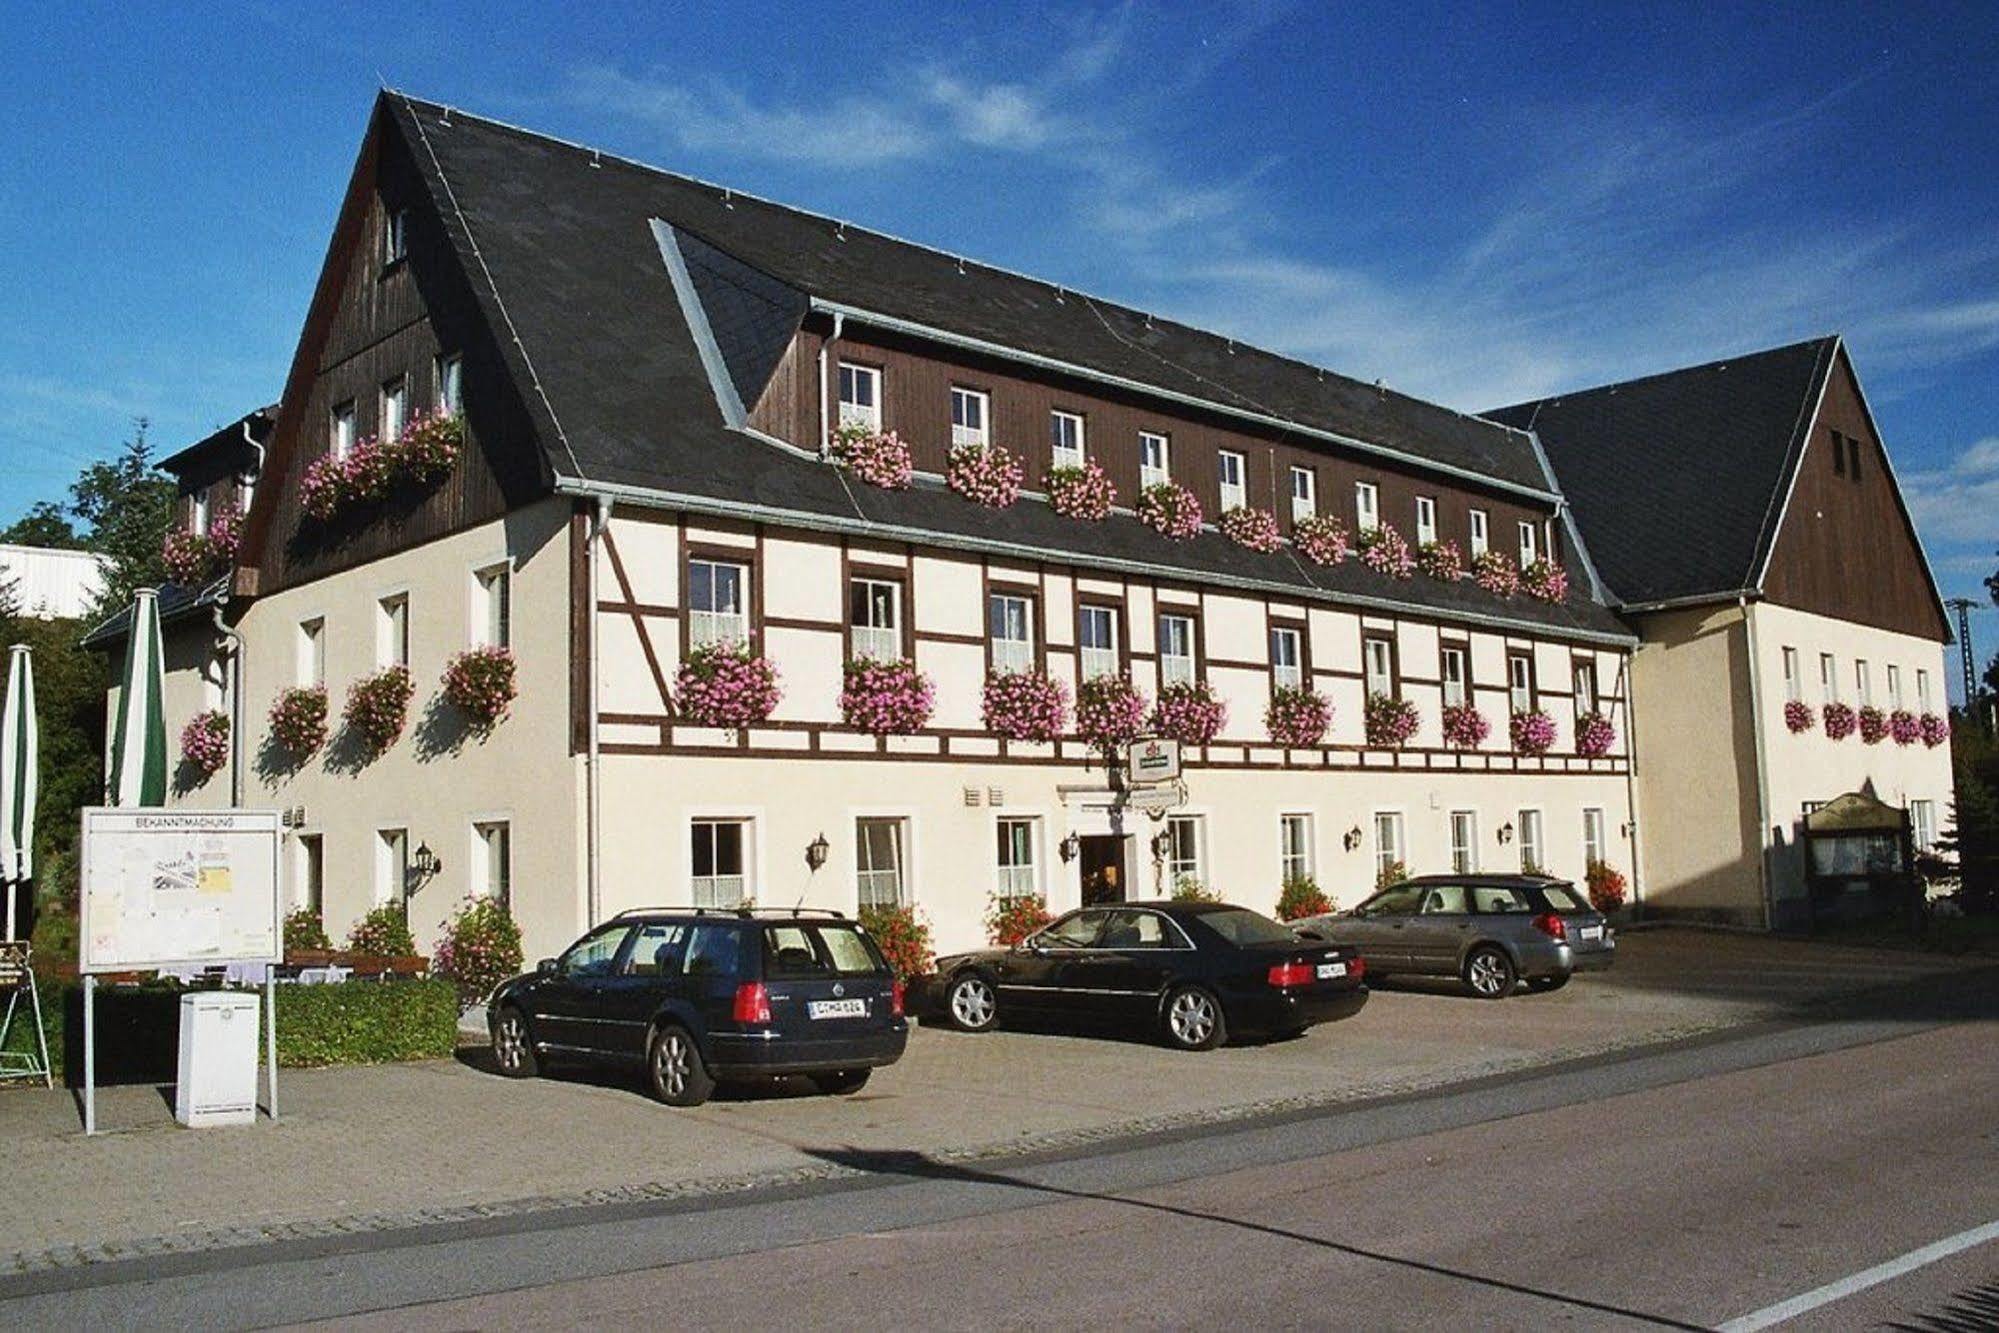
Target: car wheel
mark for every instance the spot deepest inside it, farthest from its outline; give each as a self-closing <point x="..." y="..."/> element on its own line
<point x="1194" y="1019"/>
<point x="679" y="1075"/>
<point x="513" y="1044"/>
<point x="971" y="1003"/>
<point x="840" y="1082"/>
<point x="1542" y="985"/>
<point x="1489" y="973"/>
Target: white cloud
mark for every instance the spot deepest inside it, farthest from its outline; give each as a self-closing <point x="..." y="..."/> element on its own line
<point x="1959" y="503"/>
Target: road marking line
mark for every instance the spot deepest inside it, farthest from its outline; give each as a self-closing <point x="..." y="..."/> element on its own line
<point x="1865" y="1278"/>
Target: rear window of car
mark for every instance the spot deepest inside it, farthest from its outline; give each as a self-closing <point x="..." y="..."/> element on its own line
<point x="1239" y="925"/>
<point x="801" y="951"/>
<point x="1563" y="898"/>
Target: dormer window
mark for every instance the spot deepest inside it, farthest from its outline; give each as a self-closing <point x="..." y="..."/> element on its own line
<point x="860" y="397"/>
<point x="1229" y="473"/>
<point x="969" y="413"/>
<point x="1304" y="493"/>
<point x="451" y="384"/>
<point x="1481" y="537"/>
<point x="1065" y="439"/>
<point x="394" y="239"/>
<point x="395" y="408"/>
<point x="1426" y="520"/>
<point x="1154" y="467"/>
<point x="340" y="435"/>
<point x="197" y="518"/>
<point x="1530" y="544"/>
<point x="1366" y="506"/>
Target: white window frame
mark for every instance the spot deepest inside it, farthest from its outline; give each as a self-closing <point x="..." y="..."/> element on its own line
<point x="1296" y="858"/>
<point x="1863" y="683"/>
<point x="1922" y="690"/>
<point x="1596" y="845"/>
<point x="872" y="639"/>
<point x="395" y="235"/>
<point x="392" y="864"/>
<point x="1586" y="697"/>
<point x="1463" y="828"/>
<point x="392" y="641"/>
<point x="1481" y="535"/>
<point x="1017" y="880"/>
<point x="1894" y="673"/>
<point x="1453" y="675"/>
<point x="492" y="610"/>
<point x="1231" y="479"/>
<point x="966" y="404"/>
<point x="1530" y="544"/>
<point x="1094" y="660"/>
<point x="491" y="845"/>
<point x="1366" y="506"/>
<point x="1794" y="688"/>
<point x="1426" y="520"/>
<point x="1378" y="666"/>
<point x="1530" y="831"/>
<point x="714" y="890"/>
<point x="450" y="383"/>
<point x="343" y="426"/>
<point x="1290" y="673"/>
<point x="311" y="661"/>
<point x="853" y="412"/>
<point x="1150" y="472"/>
<point x="1007" y="652"/>
<point x="1520" y="682"/>
<point x="395" y="408"/>
<point x="309" y="875"/>
<point x="198" y="513"/>
<point x="1394" y="847"/>
<point x="1188" y="861"/>
<point x="1066" y="444"/>
<point x="1923" y="824"/>
<point x="1176" y="668"/>
<point x="712" y="626"/>
<point x="1304" y="493"/>
<point x="1829" y="678"/>
<point x="869" y="878"/>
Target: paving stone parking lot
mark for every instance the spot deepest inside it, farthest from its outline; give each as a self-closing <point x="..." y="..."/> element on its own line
<point x="400" y="1145"/>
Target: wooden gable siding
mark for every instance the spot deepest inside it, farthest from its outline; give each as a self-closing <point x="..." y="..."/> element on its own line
<point x="917" y="382"/>
<point x="1847" y="548"/>
<point x="389" y="320"/>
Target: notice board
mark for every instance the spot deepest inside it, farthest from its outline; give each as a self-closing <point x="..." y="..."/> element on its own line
<point x="172" y="888"/>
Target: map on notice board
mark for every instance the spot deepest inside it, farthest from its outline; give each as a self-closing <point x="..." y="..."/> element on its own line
<point x="169" y="888"/>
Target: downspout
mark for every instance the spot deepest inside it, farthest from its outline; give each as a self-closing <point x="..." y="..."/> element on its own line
<point x="1636" y="825"/>
<point x="593" y="780"/>
<point x="233" y="682"/>
<point x="825" y="353"/>
<point x="248" y="439"/>
<point x="1762" y="776"/>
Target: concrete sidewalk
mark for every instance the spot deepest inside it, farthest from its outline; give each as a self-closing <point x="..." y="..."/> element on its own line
<point x="401" y="1145"/>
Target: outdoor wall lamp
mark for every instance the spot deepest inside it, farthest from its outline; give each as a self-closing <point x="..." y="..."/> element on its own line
<point x="815" y="853"/>
<point x="1505" y="834"/>
<point x="1070" y="848"/>
<point x="1351" y="838"/>
<point x="425" y="861"/>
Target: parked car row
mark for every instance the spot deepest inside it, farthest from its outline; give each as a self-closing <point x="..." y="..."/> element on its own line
<point x="700" y="995"/>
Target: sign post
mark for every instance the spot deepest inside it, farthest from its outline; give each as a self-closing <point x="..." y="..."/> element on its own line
<point x="177" y="888"/>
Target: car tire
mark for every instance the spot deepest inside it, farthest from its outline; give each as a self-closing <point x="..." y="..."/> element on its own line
<point x="1490" y="973"/>
<point x="1192" y="1019"/>
<point x="842" y="1082"/>
<point x="678" y="1074"/>
<point x="970" y="1003"/>
<point x="513" y="1044"/>
<point x="1542" y="985"/>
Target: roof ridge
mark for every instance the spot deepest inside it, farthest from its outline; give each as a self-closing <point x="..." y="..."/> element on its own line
<point x="1819" y="341"/>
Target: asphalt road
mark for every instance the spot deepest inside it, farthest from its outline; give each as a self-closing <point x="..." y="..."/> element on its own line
<point x="1689" y="1187"/>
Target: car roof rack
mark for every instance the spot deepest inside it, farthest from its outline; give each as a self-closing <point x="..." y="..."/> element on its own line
<point x="734" y="913"/>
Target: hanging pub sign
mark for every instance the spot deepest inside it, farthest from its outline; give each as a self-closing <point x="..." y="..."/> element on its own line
<point x="1152" y="759"/>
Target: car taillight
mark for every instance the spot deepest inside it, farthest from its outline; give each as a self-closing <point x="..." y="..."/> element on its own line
<point x="1357" y="968"/>
<point x="1552" y="926"/>
<point x="752" y="1003"/>
<point x="895" y="999"/>
<point x="1291" y="974"/>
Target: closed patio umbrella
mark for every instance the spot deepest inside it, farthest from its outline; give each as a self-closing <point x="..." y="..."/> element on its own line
<point x="136" y="767"/>
<point x="20" y="774"/>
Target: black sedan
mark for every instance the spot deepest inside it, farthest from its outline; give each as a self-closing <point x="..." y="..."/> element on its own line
<point x="1196" y="971"/>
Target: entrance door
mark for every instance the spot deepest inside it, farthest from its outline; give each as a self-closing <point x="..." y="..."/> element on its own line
<point x="1103" y="869"/>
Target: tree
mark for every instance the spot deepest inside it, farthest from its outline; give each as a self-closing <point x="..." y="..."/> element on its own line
<point x="45" y="524"/>
<point x="1972" y="839"/>
<point x="126" y="505"/>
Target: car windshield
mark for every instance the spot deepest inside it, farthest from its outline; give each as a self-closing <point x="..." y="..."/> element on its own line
<point x="1562" y="898"/>
<point x="800" y="951"/>
<point x="1239" y="925"/>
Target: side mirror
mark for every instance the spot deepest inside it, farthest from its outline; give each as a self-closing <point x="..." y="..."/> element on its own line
<point x="546" y="967"/>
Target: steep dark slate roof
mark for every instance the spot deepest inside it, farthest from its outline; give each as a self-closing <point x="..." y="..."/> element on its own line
<point x="224" y="449"/>
<point x="176" y="602"/>
<point x="1677" y="480"/>
<point x="601" y="345"/>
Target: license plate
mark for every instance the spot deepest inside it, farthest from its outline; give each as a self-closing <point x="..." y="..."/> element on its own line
<point x="837" y="1008"/>
<point x="1592" y="932"/>
<point x="1329" y="970"/>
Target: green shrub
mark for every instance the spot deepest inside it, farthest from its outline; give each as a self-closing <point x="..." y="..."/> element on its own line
<point x="304" y="930"/>
<point x="366" y="1022"/>
<point x="481" y="948"/>
<point x="383" y="933"/>
<point x="1301" y="896"/>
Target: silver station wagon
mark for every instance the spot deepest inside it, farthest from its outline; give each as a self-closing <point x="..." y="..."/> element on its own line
<point x="1491" y="931"/>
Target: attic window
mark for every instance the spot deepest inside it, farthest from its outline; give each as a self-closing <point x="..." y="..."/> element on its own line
<point x="394" y="246"/>
<point x="968" y="417"/>
<point x="1838" y="454"/>
<point x="860" y="397"/>
<point x="1853" y="457"/>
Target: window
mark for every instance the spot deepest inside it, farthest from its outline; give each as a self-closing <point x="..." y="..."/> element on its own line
<point x="395" y="408"/>
<point x="1593" y="845"/>
<point x="1520" y="682"/>
<point x="1894" y="686"/>
<point x="309" y="888"/>
<point x="1154" y="465"/>
<point x="1794" y="689"/>
<point x="1480" y="535"/>
<point x="451" y="384"/>
<point x="1923" y="690"/>
<point x="1065" y="439"/>
<point x="1863" y="684"/>
<point x="1366" y="506"/>
<point x="1010" y="626"/>
<point x="1852" y="458"/>
<point x="340" y="431"/>
<point x="197" y="517"/>
<point x="312" y="651"/>
<point x="1183" y="849"/>
<point x="1176" y="649"/>
<point x="395" y="240"/>
<point x="1287" y="656"/>
<point x="1294" y="847"/>
<point x="968" y="417"/>
<point x="246" y="491"/>
<point x="1530" y="544"/>
<point x="1586" y="701"/>
<point x="1923" y="824"/>
<point x="1456" y="686"/>
<point x="392" y="630"/>
<point x="861" y="397"/>
<point x="1018" y="877"/>
<point x="1530" y="842"/>
<point x="718" y="601"/>
<point x="1828" y="678"/>
<point x="874" y="619"/>
<point x="878" y="861"/>
<point x="1426" y="520"/>
<point x="392" y="865"/>
<point x="1304" y="493"/>
<point x="1229" y="469"/>
<point x="1378" y="663"/>
<point x="493" y="861"/>
<point x="1388" y="849"/>
<point x="1838" y="454"/>
<point x="1096" y="637"/>
<point x="492" y="606"/>
<point x="1464" y="842"/>
<point x="720" y="871"/>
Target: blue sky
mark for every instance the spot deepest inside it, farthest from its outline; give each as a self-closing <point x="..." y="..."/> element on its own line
<point x="1475" y="207"/>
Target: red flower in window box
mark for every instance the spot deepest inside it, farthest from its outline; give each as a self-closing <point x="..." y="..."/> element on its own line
<point x="1935" y="730"/>
<point x="984" y="474"/>
<point x="1839" y="721"/>
<point x="1170" y="510"/>
<point x="1025" y="705"/>
<point x="1799" y="716"/>
<point x="1082" y="492"/>
<point x="1902" y="725"/>
<point x="1873" y="725"/>
<point x="1298" y="716"/>
<point x="1190" y="712"/>
<point x="1594" y="735"/>
<point x="1320" y="538"/>
<point x="1533" y="732"/>
<point x="1110" y="712"/>
<point x="886" y="698"/>
<point x="724" y="685"/>
<point x="1253" y="528"/>
<point x="1465" y="727"/>
<point x="1495" y="573"/>
<point x="1390" y="721"/>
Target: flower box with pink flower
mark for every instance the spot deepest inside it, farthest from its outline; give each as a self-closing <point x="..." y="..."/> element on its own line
<point x="204" y="742"/>
<point x="1545" y="580"/>
<point x="1532" y="731"/>
<point x="1110" y="713"/>
<point x="1084" y="492"/>
<point x="1170" y="510"/>
<point x="1839" y="720"/>
<point x="298" y="719"/>
<point x="1873" y="725"/>
<point x="1024" y="705"/>
<point x="1390" y="722"/>
<point x="880" y="458"/>
<point x="1903" y="726"/>
<point x="889" y="698"/>
<point x="1385" y="551"/>
<point x="984" y="474"/>
<point x="1252" y="528"/>
<point x="480" y="682"/>
<point x="725" y="685"/>
<point x="1441" y="560"/>
<point x="1495" y="573"/>
<point x="1799" y="716"/>
<point x="1189" y="712"/>
<point x="1297" y="716"/>
<point x="1934" y="728"/>
<point x="1594" y="735"/>
<point x="378" y="706"/>
<point x="1320" y="538"/>
<point x="1465" y="727"/>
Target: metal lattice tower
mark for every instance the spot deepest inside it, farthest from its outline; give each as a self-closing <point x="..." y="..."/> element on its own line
<point x="1968" y="659"/>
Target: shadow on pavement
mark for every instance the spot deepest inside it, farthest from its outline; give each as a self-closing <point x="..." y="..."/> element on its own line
<point x="630" y="1078"/>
